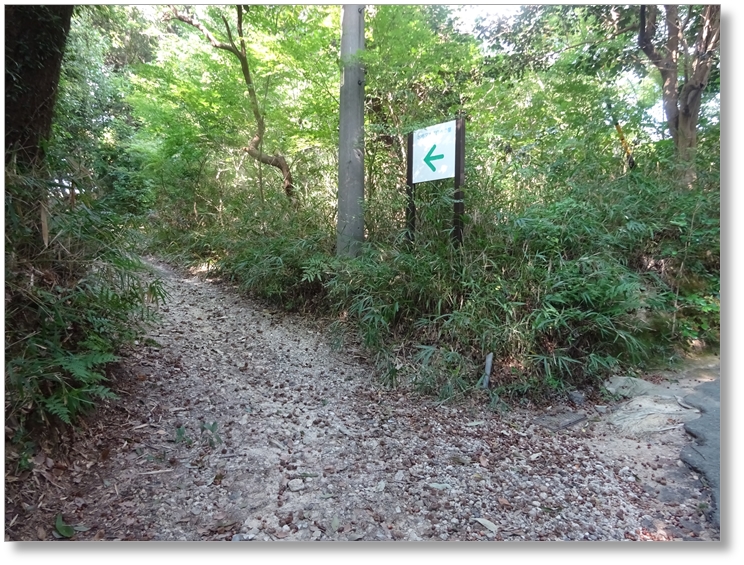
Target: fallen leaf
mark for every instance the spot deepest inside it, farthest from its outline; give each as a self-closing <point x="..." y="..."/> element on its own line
<point x="41" y="533"/>
<point x="335" y="523"/>
<point x="487" y="523"/>
<point x="483" y="461"/>
<point x="62" y="528"/>
<point x="504" y="502"/>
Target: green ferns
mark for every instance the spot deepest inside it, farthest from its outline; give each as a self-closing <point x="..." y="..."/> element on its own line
<point x="70" y="306"/>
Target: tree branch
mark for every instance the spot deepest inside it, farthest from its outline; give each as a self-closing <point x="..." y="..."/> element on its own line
<point x="240" y="28"/>
<point x="254" y="149"/>
<point x="705" y="44"/>
<point x="229" y="34"/>
<point x="673" y="31"/>
<point x="598" y="41"/>
<point x="208" y="34"/>
<point x="709" y="35"/>
<point x="647" y="30"/>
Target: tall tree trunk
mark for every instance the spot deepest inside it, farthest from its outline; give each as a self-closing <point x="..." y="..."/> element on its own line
<point x="350" y="226"/>
<point x="35" y="38"/>
<point x="254" y="149"/>
<point x="682" y="107"/>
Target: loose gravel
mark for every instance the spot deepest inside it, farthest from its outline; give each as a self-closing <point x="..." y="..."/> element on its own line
<point x="240" y="423"/>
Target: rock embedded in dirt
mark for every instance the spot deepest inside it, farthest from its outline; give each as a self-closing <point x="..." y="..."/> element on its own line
<point x="296" y="485"/>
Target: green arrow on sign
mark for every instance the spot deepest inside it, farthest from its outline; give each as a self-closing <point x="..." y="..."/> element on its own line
<point x="429" y="158"/>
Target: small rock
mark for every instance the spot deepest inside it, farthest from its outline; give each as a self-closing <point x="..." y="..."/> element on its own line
<point x="440" y="486"/>
<point x="400" y="475"/>
<point x="241" y="537"/>
<point x="600" y="409"/>
<point x="577" y="397"/>
<point x="295" y="485"/>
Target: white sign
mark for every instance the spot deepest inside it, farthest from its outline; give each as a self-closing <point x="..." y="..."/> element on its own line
<point x="434" y="152"/>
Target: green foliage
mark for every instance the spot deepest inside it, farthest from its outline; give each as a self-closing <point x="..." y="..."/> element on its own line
<point x="93" y="126"/>
<point x="68" y="309"/>
<point x="573" y="267"/>
<point x="211" y="437"/>
<point x="182" y="437"/>
<point x="76" y="293"/>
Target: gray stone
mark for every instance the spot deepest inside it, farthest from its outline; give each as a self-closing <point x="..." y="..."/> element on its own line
<point x="295" y="485"/>
<point x="705" y="455"/>
<point x="560" y="421"/>
<point x="632" y="386"/>
<point x="577" y="397"/>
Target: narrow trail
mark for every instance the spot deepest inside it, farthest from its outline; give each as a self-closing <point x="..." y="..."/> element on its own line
<point x="237" y="423"/>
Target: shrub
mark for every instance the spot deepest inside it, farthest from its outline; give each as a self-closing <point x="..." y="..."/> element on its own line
<point x="70" y="305"/>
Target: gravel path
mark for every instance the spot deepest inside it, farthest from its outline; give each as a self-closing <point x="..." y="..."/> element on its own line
<point x="243" y="424"/>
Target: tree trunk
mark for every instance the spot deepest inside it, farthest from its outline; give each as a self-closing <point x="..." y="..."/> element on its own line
<point x="35" y="38"/>
<point x="682" y="107"/>
<point x="254" y="149"/>
<point x="350" y="227"/>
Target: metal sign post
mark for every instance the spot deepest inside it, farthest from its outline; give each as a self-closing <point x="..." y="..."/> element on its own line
<point x="411" y="208"/>
<point x="459" y="182"/>
<point x="437" y="152"/>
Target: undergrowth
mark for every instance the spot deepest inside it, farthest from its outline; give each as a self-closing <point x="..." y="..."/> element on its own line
<point x="600" y="276"/>
<point x="75" y="294"/>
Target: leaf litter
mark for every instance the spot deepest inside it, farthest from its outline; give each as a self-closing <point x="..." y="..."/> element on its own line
<point x="246" y="425"/>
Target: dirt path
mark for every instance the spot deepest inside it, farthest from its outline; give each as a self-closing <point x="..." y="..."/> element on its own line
<point x="243" y="424"/>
